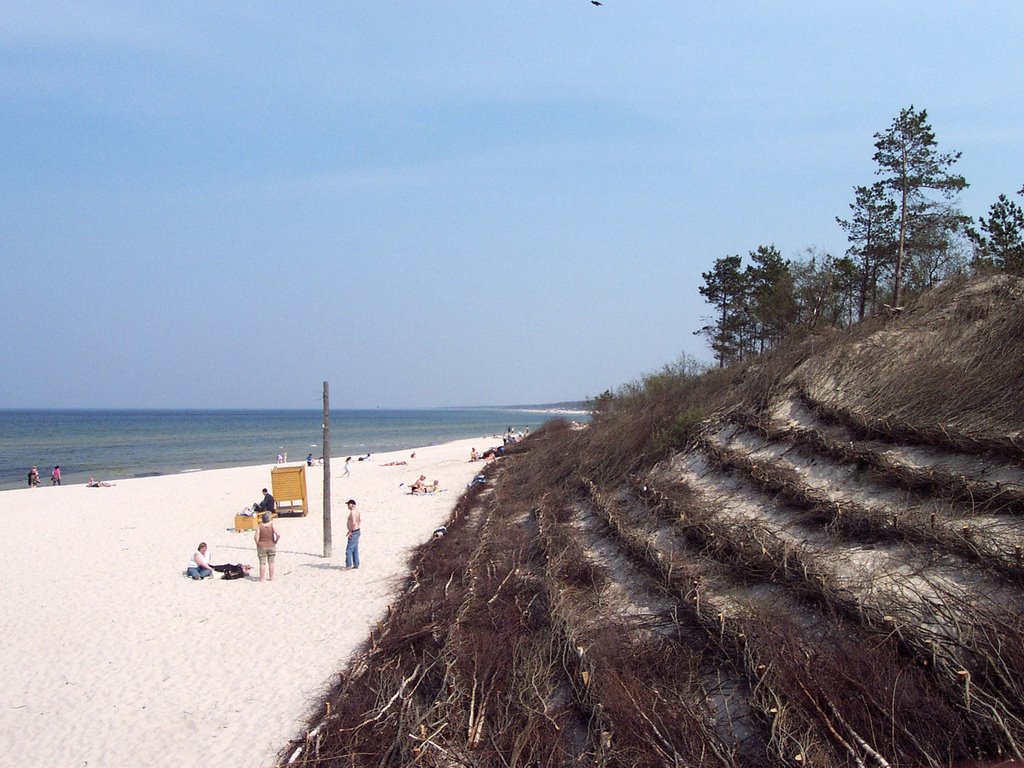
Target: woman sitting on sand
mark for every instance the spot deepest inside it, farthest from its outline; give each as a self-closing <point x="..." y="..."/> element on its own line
<point x="199" y="566"/>
<point x="266" y="539"/>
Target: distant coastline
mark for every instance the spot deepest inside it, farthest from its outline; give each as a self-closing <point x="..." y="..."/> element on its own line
<point x="554" y="411"/>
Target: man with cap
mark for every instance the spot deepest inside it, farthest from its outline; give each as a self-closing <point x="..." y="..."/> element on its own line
<point x="352" y="548"/>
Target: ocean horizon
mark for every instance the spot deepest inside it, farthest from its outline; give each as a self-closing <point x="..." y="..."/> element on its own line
<point x="111" y="444"/>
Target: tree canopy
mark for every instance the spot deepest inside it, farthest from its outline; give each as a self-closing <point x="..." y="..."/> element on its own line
<point x="910" y="165"/>
<point x="905" y="233"/>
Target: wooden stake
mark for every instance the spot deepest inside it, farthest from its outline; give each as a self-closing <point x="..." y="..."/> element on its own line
<point x="965" y="678"/>
<point x="327" y="472"/>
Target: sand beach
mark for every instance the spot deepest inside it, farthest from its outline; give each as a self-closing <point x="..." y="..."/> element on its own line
<point x="112" y="657"/>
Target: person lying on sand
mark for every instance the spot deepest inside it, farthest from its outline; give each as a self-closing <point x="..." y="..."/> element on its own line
<point x="394" y="463"/>
<point x="233" y="570"/>
<point x="98" y="483"/>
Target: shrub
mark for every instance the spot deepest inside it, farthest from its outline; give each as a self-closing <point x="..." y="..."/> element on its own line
<point x="681" y="431"/>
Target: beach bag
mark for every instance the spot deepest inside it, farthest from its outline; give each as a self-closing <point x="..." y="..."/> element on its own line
<point x="234" y="572"/>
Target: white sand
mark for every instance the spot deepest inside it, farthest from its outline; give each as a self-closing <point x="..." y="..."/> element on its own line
<point x="109" y="656"/>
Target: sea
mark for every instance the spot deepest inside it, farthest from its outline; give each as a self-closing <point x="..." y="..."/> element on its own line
<point x="119" y="444"/>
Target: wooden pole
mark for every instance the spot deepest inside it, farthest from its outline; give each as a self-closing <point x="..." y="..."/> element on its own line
<point x="327" y="472"/>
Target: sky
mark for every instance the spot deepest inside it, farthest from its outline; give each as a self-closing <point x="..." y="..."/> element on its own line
<point x="426" y="204"/>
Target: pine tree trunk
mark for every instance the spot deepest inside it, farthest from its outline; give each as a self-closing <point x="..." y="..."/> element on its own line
<point x="898" y="279"/>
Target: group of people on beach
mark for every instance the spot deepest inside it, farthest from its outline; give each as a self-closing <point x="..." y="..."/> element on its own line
<point x="266" y="535"/>
<point x="55" y="478"/>
<point x="421" y="486"/>
<point x="266" y="538"/>
<point x="511" y="437"/>
<point x="489" y="455"/>
<point x="33" y="476"/>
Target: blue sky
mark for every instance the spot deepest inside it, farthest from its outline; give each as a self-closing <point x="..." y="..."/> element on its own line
<point x="444" y="203"/>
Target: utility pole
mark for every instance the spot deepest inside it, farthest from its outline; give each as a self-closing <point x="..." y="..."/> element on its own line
<point x="327" y="472"/>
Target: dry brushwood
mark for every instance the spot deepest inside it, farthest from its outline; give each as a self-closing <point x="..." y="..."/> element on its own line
<point x="691" y="580"/>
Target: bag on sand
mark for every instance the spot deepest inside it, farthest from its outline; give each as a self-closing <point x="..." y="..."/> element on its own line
<point x="234" y="572"/>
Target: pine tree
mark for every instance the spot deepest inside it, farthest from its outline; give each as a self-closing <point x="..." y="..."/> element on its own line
<point x="725" y="289"/>
<point x="871" y="231"/>
<point x="1003" y="242"/>
<point x="772" y="304"/>
<point x="910" y="164"/>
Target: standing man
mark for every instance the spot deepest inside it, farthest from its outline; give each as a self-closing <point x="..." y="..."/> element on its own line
<point x="352" y="548"/>
<point x="55" y="475"/>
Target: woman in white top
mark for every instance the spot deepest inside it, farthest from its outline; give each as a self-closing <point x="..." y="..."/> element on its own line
<point x="199" y="566"/>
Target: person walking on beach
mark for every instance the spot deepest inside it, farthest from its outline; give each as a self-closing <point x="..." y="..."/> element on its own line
<point x="266" y="539"/>
<point x="55" y="475"/>
<point x="33" y="477"/>
<point x="345" y="471"/>
<point x="353" y="523"/>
